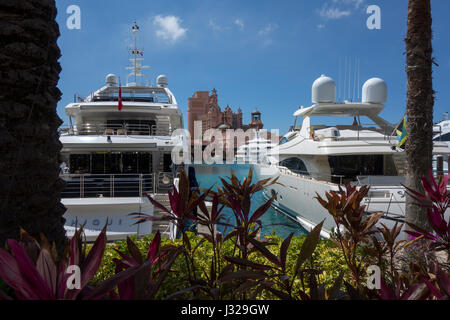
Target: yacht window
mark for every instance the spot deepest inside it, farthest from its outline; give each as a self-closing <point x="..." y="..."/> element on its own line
<point x="444" y="137"/>
<point x="356" y="165"/>
<point x="284" y="140"/>
<point x="129" y="162"/>
<point x="111" y="163"/>
<point x="144" y="163"/>
<point x="98" y="163"/>
<point x="167" y="162"/>
<point x="295" y="165"/>
<point x="80" y="163"/>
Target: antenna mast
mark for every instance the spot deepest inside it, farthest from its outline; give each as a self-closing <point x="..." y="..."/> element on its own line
<point x="136" y="69"/>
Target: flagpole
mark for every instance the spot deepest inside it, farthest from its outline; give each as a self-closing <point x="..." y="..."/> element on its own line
<point x="120" y="105"/>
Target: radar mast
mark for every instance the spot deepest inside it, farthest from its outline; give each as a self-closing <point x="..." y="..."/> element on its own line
<point x="136" y="68"/>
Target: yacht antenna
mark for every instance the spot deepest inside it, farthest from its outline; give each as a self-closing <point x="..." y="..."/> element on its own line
<point x="340" y="79"/>
<point x="136" y="68"/>
<point x="349" y="77"/>
<point x="354" y="80"/>
<point x="359" y="70"/>
<point x="345" y="78"/>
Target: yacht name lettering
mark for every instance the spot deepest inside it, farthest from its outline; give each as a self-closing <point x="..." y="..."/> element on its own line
<point x="95" y="222"/>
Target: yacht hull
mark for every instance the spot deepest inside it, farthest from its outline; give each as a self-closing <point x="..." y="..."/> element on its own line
<point x="94" y="213"/>
<point x="296" y="199"/>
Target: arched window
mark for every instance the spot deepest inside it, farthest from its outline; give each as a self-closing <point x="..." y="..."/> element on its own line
<point x="284" y="140"/>
<point x="295" y="165"/>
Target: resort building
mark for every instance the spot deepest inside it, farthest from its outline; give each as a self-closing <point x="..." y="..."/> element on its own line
<point x="203" y="106"/>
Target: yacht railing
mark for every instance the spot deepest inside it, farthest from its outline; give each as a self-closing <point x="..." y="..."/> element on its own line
<point x="112" y="129"/>
<point x="381" y="180"/>
<point x="115" y="185"/>
<point x="126" y="96"/>
<point x="311" y="175"/>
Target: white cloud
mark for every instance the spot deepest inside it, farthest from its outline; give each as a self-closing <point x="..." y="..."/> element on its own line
<point x="320" y="26"/>
<point x="338" y="9"/>
<point x="168" y="28"/>
<point x="266" y="32"/>
<point x="213" y="25"/>
<point x="239" y="23"/>
<point x="268" y="29"/>
<point x="333" y="13"/>
<point x="355" y="3"/>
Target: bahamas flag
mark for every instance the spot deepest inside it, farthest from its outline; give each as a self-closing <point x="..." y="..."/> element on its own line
<point x="401" y="133"/>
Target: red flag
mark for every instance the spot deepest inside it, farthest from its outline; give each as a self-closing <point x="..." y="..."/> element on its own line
<point x="120" y="105"/>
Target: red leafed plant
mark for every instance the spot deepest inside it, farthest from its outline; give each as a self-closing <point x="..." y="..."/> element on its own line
<point x="353" y="226"/>
<point x="437" y="201"/>
<point x="34" y="271"/>
<point x="155" y="267"/>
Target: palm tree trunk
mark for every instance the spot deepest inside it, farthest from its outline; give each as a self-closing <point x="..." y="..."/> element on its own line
<point x="30" y="186"/>
<point x="419" y="106"/>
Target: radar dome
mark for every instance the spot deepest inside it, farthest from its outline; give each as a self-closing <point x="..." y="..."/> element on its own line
<point x="324" y="90"/>
<point x="162" y="81"/>
<point x="374" y="91"/>
<point x="111" y="80"/>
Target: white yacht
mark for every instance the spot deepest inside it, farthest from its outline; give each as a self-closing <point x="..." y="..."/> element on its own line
<point x="255" y="150"/>
<point x="318" y="158"/>
<point x="442" y="134"/>
<point x="117" y="148"/>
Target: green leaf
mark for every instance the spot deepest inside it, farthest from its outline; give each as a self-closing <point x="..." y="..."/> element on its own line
<point x="309" y="246"/>
<point x="261" y="248"/>
<point x="243" y="274"/>
<point x="334" y="290"/>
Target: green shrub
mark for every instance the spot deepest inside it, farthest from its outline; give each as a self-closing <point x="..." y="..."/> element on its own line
<point x="327" y="258"/>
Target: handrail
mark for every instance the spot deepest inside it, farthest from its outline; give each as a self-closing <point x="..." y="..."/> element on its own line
<point x="380" y="180"/>
<point x="116" y="129"/>
<point x="310" y="175"/>
<point x="115" y="185"/>
<point x="132" y="96"/>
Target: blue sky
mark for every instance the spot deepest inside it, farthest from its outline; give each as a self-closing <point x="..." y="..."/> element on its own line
<point x="257" y="54"/>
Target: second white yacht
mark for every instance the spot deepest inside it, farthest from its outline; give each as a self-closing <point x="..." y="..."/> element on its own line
<point x="317" y="158"/>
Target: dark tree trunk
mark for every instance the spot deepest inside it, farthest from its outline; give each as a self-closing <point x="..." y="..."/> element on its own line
<point x="419" y="106"/>
<point x="30" y="186"/>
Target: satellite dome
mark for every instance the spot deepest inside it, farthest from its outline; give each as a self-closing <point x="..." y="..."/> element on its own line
<point x="162" y="81"/>
<point x="324" y="90"/>
<point x="111" y="80"/>
<point x="374" y="91"/>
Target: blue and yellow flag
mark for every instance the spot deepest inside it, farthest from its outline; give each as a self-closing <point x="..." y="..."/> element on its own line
<point x="401" y="134"/>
